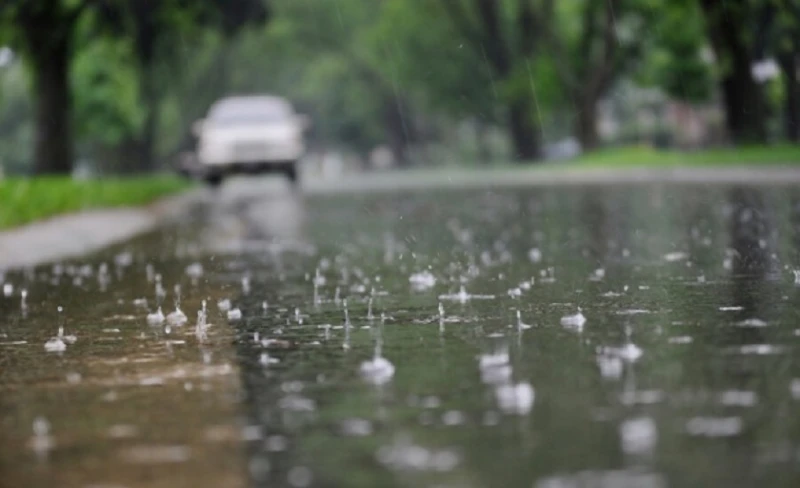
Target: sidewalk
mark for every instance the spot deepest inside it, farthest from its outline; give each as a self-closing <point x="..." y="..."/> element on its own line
<point x="73" y="235"/>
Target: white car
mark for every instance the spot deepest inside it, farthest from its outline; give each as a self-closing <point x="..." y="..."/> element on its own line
<point x="250" y="134"/>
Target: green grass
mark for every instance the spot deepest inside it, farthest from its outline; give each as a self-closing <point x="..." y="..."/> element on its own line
<point x="24" y="200"/>
<point x="643" y="156"/>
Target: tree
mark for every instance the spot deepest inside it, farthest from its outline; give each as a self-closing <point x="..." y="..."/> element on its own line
<point x="346" y="74"/>
<point x="780" y="36"/>
<point x="156" y="29"/>
<point x="507" y="35"/>
<point x="592" y="44"/>
<point x="675" y="50"/>
<point x="43" y="31"/>
<point x="731" y="27"/>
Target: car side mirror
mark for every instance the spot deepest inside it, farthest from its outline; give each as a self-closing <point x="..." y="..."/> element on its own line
<point x="197" y="127"/>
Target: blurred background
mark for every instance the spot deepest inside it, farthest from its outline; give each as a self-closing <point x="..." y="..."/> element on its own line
<point x="93" y="87"/>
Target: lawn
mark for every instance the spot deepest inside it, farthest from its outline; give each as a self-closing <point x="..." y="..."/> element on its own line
<point x="642" y="156"/>
<point x="24" y="200"/>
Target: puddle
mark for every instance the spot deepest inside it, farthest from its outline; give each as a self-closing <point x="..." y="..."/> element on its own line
<point x="550" y="337"/>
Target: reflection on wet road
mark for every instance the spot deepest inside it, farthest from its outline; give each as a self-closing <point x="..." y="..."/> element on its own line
<point x="639" y="335"/>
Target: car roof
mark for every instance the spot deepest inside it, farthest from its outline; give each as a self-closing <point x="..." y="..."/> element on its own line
<point x="250" y="104"/>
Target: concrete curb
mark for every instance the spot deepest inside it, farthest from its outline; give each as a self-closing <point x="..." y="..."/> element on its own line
<point x="77" y="234"/>
<point x="779" y="175"/>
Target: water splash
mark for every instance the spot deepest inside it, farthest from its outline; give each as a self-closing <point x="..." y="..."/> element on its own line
<point x="347" y="325"/>
<point x="463" y="297"/>
<point x="42" y="442"/>
<point x="422" y="281"/>
<point x="59" y="342"/>
<point x="201" y="326"/>
<point x="515" y="399"/>
<point x="378" y="370"/>
<point x="638" y="435"/>
<point x="155" y="318"/>
<point x="521" y="325"/>
<point x="161" y="293"/>
<point x="234" y="314"/>
<point x="224" y="305"/>
<point x="194" y="271"/>
<point x="675" y="256"/>
<point x="574" y="321"/>
<point x="535" y="255"/>
<point x="177" y="318"/>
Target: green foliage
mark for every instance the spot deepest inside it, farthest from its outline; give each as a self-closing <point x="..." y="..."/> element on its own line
<point x="674" y="59"/>
<point x="637" y="156"/>
<point x="27" y="200"/>
<point x="143" y="64"/>
<point x="107" y="105"/>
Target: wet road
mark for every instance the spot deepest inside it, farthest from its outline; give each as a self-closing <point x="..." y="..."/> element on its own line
<point x="577" y="336"/>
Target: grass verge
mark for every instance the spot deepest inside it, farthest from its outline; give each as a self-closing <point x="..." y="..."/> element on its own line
<point x="24" y="200"/>
<point x="643" y="156"/>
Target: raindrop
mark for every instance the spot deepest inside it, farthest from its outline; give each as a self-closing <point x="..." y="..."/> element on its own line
<point x="234" y="314"/>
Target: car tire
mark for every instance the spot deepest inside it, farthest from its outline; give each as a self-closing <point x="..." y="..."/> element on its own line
<point x="214" y="180"/>
<point x="290" y="170"/>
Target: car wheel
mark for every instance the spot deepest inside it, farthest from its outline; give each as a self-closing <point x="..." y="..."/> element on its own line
<point x="291" y="173"/>
<point x="214" y="180"/>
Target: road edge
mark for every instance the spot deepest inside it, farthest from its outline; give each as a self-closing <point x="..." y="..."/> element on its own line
<point x="76" y="234"/>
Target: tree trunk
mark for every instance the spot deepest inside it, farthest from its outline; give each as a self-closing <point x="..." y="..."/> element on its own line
<point x="524" y="138"/>
<point x="586" y="125"/>
<point x="397" y="129"/>
<point x="790" y="66"/>
<point x="53" y="143"/>
<point x="146" y="143"/>
<point x="745" y="110"/>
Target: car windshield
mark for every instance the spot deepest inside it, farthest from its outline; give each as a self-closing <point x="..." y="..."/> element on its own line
<point x="244" y="111"/>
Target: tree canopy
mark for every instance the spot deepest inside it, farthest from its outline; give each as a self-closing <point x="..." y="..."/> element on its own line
<point x="120" y="82"/>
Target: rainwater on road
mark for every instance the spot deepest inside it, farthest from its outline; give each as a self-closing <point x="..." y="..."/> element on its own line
<point x="638" y="335"/>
